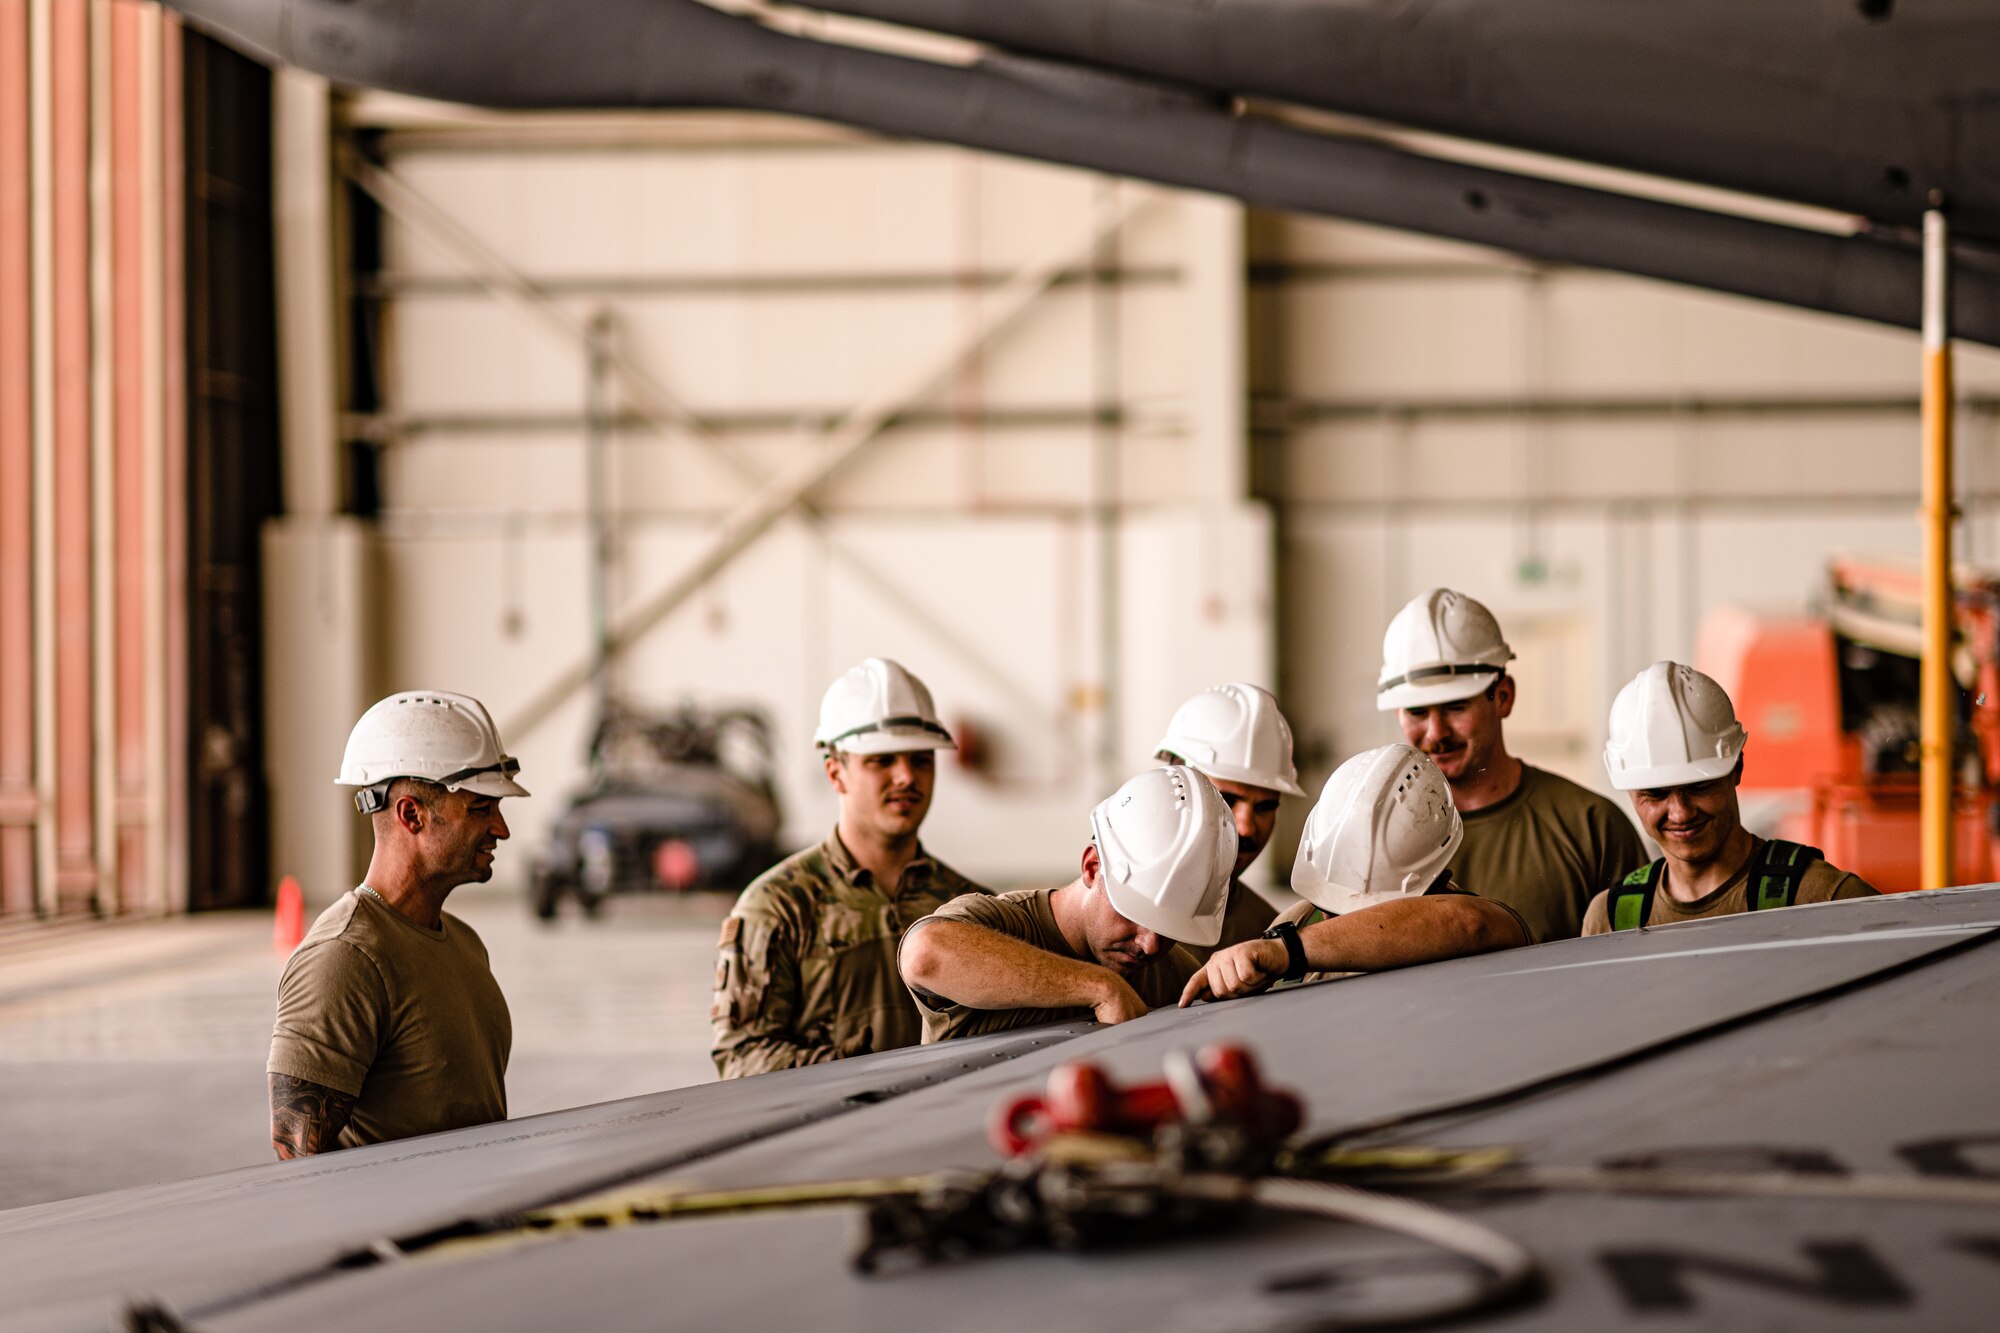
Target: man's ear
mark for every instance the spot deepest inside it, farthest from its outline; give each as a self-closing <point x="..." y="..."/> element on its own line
<point x="1091" y="865"/>
<point x="834" y="776"/>
<point x="409" y="813"/>
<point x="1503" y="695"/>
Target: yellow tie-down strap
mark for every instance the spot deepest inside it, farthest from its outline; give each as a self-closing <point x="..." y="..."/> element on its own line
<point x="654" y="1202"/>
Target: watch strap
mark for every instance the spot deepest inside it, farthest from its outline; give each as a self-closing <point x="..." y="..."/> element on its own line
<point x="1295" y="949"/>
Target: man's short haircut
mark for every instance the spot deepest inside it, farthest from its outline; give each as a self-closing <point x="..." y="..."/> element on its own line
<point x="421" y="790"/>
<point x="1168" y="757"/>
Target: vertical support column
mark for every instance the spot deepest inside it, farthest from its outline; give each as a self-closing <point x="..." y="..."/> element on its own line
<point x="301" y="186"/>
<point x="168" y="760"/>
<point x="134" y="529"/>
<point x="1218" y="354"/>
<point x="41" y="360"/>
<point x="1107" y="446"/>
<point x="1935" y="689"/>
<point x="316" y="562"/>
<point x="597" y="484"/>
<point x="18" y="801"/>
<point x="105" y="369"/>
<point x="75" y="834"/>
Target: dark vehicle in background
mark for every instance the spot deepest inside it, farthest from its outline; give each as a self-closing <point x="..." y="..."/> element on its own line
<point x="677" y="801"/>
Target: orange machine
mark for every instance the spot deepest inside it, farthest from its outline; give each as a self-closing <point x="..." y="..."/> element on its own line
<point x="1831" y="705"/>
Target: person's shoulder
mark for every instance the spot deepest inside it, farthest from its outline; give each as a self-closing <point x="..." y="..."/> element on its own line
<point x="986" y="908"/>
<point x="459" y="927"/>
<point x="346" y="929"/>
<point x="1824" y="882"/>
<point x="950" y="884"/>
<point x="343" y="948"/>
<point x="800" y="877"/>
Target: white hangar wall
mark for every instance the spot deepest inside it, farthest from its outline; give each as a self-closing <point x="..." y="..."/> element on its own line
<point x="1053" y="526"/>
<point x="1215" y="446"/>
<point x="1602" y="459"/>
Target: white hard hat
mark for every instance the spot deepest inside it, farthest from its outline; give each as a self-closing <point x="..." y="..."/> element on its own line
<point x="1671" y="726"/>
<point x="1236" y="733"/>
<point x="879" y="708"/>
<point x="441" y="737"/>
<point x="1441" y="647"/>
<point x="1384" y="828"/>
<point x="1166" y="846"/>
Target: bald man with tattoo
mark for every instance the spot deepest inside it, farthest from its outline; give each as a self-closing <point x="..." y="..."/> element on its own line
<point x="390" y="1023"/>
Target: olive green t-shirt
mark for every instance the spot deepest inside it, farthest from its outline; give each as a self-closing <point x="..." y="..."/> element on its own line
<point x="1545" y="850"/>
<point x="1026" y="914"/>
<point x="408" y="1020"/>
<point x="1247" y="917"/>
<point x="1821" y="883"/>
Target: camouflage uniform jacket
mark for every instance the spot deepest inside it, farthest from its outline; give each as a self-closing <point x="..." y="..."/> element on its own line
<point x="806" y="970"/>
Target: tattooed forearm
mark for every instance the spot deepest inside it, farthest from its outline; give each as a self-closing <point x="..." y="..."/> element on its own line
<point x="306" y="1118"/>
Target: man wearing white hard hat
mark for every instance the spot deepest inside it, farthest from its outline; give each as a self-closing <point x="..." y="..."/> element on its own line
<point x="390" y="1023"/>
<point x="1234" y="736"/>
<point x="1676" y="749"/>
<point x="807" y="965"/>
<point x="1107" y="945"/>
<point x="1373" y="871"/>
<point x="1533" y="839"/>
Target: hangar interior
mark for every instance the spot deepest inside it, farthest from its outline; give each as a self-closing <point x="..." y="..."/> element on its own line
<point x="1069" y="447"/>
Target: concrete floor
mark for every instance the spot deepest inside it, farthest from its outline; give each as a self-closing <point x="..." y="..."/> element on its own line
<point x="134" y="1053"/>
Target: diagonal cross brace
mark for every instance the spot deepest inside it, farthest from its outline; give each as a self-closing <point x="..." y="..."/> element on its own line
<point x="779" y="495"/>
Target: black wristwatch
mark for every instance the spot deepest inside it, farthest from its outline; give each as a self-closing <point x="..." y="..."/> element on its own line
<point x="1295" y="949"/>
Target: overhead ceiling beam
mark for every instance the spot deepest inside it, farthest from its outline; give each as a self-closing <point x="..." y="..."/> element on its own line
<point x="681" y="53"/>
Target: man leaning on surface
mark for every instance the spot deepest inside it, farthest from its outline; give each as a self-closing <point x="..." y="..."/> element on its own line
<point x="1107" y="945"/>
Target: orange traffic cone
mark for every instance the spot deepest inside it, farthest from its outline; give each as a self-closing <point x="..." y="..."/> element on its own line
<point x="290" y="926"/>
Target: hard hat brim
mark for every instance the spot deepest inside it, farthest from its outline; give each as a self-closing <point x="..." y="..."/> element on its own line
<point x="1449" y="690"/>
<point x="1136" y="908"/>
<point x="494" y="784"/>
<point x="892" y="740"/>
<point x="1663" y="776"/>
<point x="1181" y="745"/>
<point x="1333" y="899"/>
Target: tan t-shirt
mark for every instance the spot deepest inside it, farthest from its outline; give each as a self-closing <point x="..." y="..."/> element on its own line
<point x="1545" y="850"/>
<point x="1248" y="917"/>
<point x="409" y="1020"/>
<point x="1821" y="883"/>
<point x="1026" y="914"/>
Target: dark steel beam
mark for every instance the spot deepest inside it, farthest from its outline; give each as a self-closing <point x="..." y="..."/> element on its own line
<point x="660" y="53"/>
<point x="1860" y="107"/>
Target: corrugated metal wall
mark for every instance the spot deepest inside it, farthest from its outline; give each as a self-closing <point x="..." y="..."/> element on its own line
<point x="91" y="458"/>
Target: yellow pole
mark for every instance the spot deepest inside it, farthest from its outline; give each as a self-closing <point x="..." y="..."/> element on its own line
<point x="1936" y="693"/>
